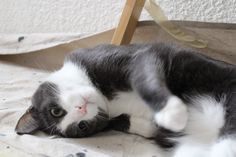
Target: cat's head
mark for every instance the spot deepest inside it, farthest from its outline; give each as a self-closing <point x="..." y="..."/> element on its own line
<point x="67" y="104"/>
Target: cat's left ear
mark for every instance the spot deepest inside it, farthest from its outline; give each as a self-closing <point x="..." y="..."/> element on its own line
<point x="27" y="124"/>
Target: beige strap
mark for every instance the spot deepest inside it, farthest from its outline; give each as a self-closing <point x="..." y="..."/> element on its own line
<point x="159" y="17"/>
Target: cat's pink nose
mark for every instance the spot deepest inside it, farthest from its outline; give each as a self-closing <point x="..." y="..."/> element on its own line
<point x="82" y="109"/>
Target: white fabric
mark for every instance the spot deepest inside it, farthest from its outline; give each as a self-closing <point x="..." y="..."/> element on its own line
<point x="23" y="43"/>
<point x="17" y="84"/>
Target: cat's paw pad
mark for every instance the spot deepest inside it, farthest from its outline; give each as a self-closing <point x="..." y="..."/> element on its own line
<point x="173" y="116"/>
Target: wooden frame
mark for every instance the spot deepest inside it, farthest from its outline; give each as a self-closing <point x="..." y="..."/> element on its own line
<point x="128" y="21"/>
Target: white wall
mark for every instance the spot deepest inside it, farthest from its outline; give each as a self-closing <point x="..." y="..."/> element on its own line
<point x="200" y="10"/>
<point x="90" y="16"/>
<point x="58" y="16"/>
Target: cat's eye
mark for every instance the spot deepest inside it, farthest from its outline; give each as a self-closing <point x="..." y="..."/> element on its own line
<point x="57" y="112"/>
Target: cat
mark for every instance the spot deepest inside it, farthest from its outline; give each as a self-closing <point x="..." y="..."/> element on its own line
<point x="183" y="99"/>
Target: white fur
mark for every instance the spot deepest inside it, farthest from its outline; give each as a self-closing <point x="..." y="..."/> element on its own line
<point x="191" y="150"/>
<point x="206" y="118"/>
<point x="74" y="84"/>
<point x="224" y="148"/>
<point x="142" y="126"/>
<point x="70" y="74"/>
<point x="141" y="115"/>
<point x="221" y="148"/>
<point x="174" y="115"/>
<point x="129" y="103"/>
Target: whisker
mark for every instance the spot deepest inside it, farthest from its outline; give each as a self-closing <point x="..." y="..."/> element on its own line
<point x="102" y="117"/>
<point x="104" y="112"/>
<point x="52" y="87"/>
<point x="53" y="124"/>
<point x="52" y="131"/>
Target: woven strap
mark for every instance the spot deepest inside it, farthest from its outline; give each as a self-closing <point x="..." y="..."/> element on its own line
<point x="159" y="17"/>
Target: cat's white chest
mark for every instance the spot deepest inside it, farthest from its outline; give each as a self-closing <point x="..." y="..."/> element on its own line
<point x="129" y="103"/>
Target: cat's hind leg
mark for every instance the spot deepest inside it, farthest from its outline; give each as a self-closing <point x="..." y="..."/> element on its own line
<point x="224" y="148"/>
<point x="226" y="144"/>
<point x="210" y="129"/>
<point x="191" y="150"/>
<point x="149" y="80"/>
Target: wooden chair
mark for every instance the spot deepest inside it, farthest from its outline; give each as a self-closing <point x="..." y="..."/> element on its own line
<point x="128" y="21"/>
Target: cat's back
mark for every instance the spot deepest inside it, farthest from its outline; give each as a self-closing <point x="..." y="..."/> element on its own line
<point x="192" y="72"/>
<point x="102" y="52"/>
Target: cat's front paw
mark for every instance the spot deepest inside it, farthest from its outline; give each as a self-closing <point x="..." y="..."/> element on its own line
<point x="224" y="148"/>
<point x="173" y="116"/>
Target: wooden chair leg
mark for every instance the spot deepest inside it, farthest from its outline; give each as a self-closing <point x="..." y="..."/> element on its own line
<point x="128" y="21"/>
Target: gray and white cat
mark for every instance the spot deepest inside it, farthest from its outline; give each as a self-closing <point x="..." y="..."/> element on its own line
<point x="182" y="99"/>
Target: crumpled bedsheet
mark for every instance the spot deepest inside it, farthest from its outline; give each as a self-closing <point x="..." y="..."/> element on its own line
<point x="24" y="43"/>
<point x="17" y="84"/>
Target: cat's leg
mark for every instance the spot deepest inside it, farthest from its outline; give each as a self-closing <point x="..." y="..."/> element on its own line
<point x="135" y="125"/>
<point x="225" y="147"/>
<point x="191" y="150"/>
<point x="148" y="79"/>
<point x="120" y="123"/>
<point x="226" y="144"/>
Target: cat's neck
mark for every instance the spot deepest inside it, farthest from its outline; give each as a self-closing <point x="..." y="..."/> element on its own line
<point x="70" y="73"/>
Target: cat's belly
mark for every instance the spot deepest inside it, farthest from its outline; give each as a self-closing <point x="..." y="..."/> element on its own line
<point x="141" y="116"/>
<point x="131" y="104"/>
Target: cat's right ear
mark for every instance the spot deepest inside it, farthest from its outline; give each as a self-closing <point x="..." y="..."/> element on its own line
<point x="27" y="124"/>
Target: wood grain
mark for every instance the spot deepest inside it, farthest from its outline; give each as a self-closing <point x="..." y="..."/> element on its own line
<point x="128" y="21"/>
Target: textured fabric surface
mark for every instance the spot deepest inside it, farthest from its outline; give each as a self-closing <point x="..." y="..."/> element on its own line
<point x="23" y="43"/>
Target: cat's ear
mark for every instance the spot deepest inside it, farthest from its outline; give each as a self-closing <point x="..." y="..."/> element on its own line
<point x="27" y="124"/>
